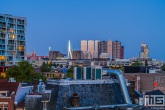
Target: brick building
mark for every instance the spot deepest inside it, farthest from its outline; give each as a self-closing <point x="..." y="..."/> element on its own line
<point x="145" y="82"/>
<point x="7" y="95"/>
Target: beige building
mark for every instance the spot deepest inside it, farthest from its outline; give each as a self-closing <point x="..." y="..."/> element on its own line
<point x="83" y="45"/>
<point x="91" y="47"/>
<point x="109" y="48"/>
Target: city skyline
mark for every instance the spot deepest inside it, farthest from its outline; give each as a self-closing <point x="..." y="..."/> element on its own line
<point x="131" y="22"/>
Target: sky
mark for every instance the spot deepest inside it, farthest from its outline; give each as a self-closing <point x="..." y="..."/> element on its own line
<point x="54" y="22"/>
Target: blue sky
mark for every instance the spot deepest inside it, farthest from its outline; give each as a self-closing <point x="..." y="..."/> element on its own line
<point x="54" y="22"/>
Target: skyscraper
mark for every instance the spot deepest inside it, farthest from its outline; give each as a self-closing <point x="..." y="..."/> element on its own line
<point x="144" y="52"/>
<point x="91" y="47"/>
<point x="102" y="47"/>
<point x="116" y="46"/>
<point x="83" y="45"/>
<point x="122" y="52"/>
<point x="96" y="49"/>
<point x="69" y="50"/>
<point x="12" y="39"/>
<point x="109" y="48"/>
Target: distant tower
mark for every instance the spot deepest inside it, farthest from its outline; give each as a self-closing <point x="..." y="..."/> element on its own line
<point x="116" y="47"/>
<point x="109" y="47"/>
<point x="144" y="52"/>
<point x="91" y="47"/>
<point x="83" y="45"/>
<point x="69" y="50"/>
<point x="96" y="49"/>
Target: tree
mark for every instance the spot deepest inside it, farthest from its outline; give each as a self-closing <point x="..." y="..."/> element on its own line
<point x="45" y="68"/>
<point x="163" y="67"/>
<point x="137" y="64"/>
<point x="69" y="73"/>
<point x="23" y="72"/>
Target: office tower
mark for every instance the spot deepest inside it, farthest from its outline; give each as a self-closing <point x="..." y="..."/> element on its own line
<point x="102" y="47"/>
<point x="144" y="52"/>
<point x="122" y="52"/>
<point x="91" y="47"/>
<point x="109" y="48"/>
<point x="69" y="50"/>
<point x="96" y="49"/>
<point x="12" y="39"/>
<point x="116" y="46"/>
<point x="83" y="45"/>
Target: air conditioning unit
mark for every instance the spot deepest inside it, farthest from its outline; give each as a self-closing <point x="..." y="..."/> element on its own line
<point x="96" y="72"/>
<point x="87" y="73"/>
<point x="77" y="74"/>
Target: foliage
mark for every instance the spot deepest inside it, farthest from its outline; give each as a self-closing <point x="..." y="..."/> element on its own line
<point x="69" y="73"/>
<point x="45" y="67"/>
<point x="23" y="72"/>
<point x="137" y="64"/>
<point x="163" y="67"/>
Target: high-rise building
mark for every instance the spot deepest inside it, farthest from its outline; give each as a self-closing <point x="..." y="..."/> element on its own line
<point x="122" y="52"/>
<point x="91" y="47"/>
<point x="116" y="46"/>
<point x="55" y="55"/>
<point x="69" y="50"/>
<point x="96" y="49"/>
<point x="144" y="52"/>
<point x="109" y="48"/>
<point x="84" y="45"/>
<point x="12" y="39"/>
<point x="102" y="47"/>
<point x="77" y="54"/>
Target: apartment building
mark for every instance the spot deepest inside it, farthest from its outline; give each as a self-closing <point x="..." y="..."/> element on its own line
<point x="12" y="39"/>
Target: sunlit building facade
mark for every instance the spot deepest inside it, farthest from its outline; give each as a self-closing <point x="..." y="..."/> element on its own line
<point x="91" y="47"/>
<point x="109" y="48"/>
<point x="12" y="39"/>
<point x="84" y="45"/>
<point x="144" y="52"/>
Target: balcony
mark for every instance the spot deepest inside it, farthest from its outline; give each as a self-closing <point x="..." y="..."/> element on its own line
<point x="2" y="48"/>
<point x="2" y="42"/>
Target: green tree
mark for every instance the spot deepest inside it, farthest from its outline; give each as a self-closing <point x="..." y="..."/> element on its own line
<point x="137" y="64"/>
<point x="163" y="67"/>
<point x="69" y="73"/>
<point x="23" y="72"/>
<point x="45" y="68"/>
